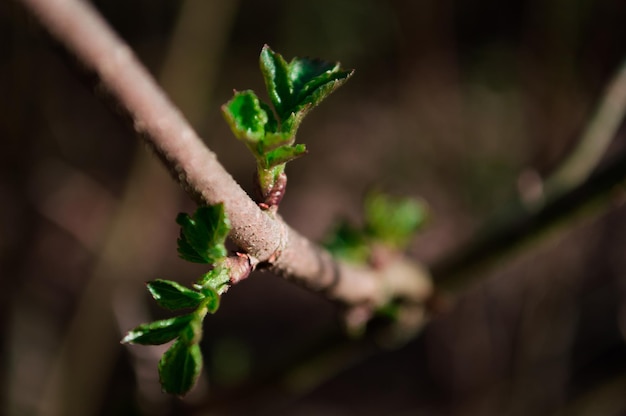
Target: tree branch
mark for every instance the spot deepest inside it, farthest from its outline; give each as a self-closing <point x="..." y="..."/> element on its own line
<point x="82" y="32"/>
<point x="594" y="141"/>
<point x="600" y="191"/>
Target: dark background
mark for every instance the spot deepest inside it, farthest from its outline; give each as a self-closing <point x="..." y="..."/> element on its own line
<point x="451" y="102"/>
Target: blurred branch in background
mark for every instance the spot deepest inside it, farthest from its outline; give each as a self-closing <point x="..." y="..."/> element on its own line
<point x="572" y="193"/>
<point x="594" y="141"/>
<point x="606" y="399"/>
<point x="77" y="382"/>
<point x="591" y="198"/>
<point x="192" y="61"/>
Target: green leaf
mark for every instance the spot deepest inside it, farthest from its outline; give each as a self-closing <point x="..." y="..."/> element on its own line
<point x="389" y="310"/>
<point x="180" y="367"/>
<point x="283" y="154"/>
<point x="272" y="141"/>
<point x="187" y="252"/>
<point x="202" y="235"/>
<point x="213" y="299"/>
<point x="318" y="89"/>
<point x="216" y="279"/>
<point x="247" y="118"/>
<point x="393" y="221"/>
<point x="272" y="124"/>
<point x="313" y="80"/>
<point x="277" y="80"/>
<point x="348" y="243"/>
<point x="192" y="333"/>
<point x="253" y="122"/>
<point x="158" y="332"/>
<point x="303" y="71"/>
<point x="296" y="87"/>
<point x="173" y="296"/>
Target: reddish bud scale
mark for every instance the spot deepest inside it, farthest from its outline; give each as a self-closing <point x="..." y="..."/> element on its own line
<point x="240" y="267"/>
<point x="271" y="197"/>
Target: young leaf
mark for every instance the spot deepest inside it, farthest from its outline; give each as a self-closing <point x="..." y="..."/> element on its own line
<point x="192" y="333"/>
<point x="272" y="124"/>
<point x="158" y="332"/>
<point x="304" y="70"/>
<point x="296" y="87"/>
<point x="318" y="89"/>
<point x="393" y="221"/>
<point x="246" y="117"/>
<point x="216" y="279"/>
<point x="348" y="243"/>
<point x="180" y="367"/>
<point x="389" y="310"/>
<point x="253" y="122"/>
<point x="202" y="235"/>
<point x="277" y="80"/>
<point x="186" y="251"/>
<point x="272" y="141"/>
<point x="283" y="154"/>
<point x="212" y="299"/>
<point x="172" y="295"/>
<point x="313" y="80"/>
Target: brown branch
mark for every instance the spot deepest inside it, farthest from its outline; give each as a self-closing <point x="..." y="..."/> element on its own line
<point x="594" y="141"/>
<point x="82" y="32"/>
<point x="601" y="191"/>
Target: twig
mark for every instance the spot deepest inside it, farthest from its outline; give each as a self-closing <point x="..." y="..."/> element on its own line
<point x="594" y="141"/>
<point x="595" y="194"/>
<point x="84" y="34"/>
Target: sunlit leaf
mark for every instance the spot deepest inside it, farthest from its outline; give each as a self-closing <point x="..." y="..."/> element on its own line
<point x="217" y="279"/>
<point x="296" y="87"/>
<point x="202" y="235"/>
<point x="157" y="332"/>
<point x="172" y="295"/>
<point x="246" y="117"/>
<point x="318" y="89"/>
<point x="272" y="141"/>
<point x="303" y="71"/>
<point x="213" y="299"/>
<point x="393" y="221"/>
<point x="277" y="81"/>
<point x="348" y="243"/>
<point x="180" y="367"/>
<point x="284" y="154"/>
<point x="314" y="80"/>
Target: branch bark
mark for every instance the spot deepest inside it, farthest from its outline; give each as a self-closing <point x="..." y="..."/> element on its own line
<point x="84" y="34"/>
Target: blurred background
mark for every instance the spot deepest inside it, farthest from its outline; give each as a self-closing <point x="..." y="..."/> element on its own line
<point x="464" y="103"/>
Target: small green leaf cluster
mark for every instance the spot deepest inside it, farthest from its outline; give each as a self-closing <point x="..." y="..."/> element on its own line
<point x="294" y="88"/>
<point x="269" y="132"/>
<point x="388" y="227"/>
<point x="393" y="221"/>
<point x="388" y="221"/>
<point x="202" y="238"/>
